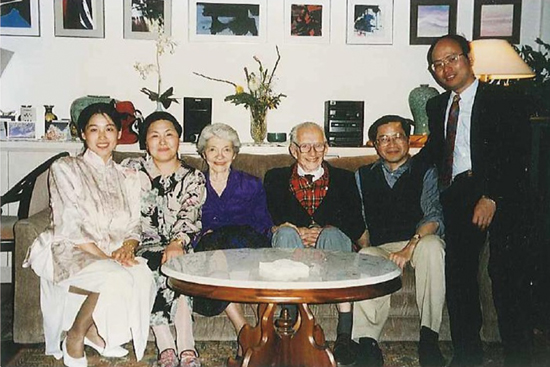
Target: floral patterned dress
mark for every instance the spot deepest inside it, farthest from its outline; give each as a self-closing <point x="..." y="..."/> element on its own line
<point x="170" y="210"/>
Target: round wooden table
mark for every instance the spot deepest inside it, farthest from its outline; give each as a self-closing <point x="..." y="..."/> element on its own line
<point x="241" y="276"/>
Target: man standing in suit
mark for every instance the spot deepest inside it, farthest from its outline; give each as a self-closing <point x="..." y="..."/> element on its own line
<point x="315" y="205"/>
<point x="479" y="141"/>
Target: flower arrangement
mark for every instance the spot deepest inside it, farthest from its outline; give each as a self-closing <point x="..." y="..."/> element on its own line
<point x="163" y="44"/>
<point x="259" y="97"/>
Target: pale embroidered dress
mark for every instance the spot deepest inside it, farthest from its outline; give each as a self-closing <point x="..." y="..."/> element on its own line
<point x="97" y="202"/>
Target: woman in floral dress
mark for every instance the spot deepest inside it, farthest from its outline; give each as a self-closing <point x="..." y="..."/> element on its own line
<point x="172" y="195"/>
<point x="91" y="284"/>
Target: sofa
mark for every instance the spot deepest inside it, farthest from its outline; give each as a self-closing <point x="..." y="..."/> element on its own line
<point x="403" y="323"/>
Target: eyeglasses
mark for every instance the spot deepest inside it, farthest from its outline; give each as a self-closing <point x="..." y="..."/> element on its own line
<point x="383" y="140"/>
<point x="438" y="65"/>
<point x="306" y="147"/>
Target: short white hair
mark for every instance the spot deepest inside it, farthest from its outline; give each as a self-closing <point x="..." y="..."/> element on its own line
<point x="222" y="131"/>
<point x="305" y="125"/>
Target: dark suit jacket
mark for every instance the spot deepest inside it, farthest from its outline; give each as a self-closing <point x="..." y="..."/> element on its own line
<point x="340" y="208"/>
<point x="499" y="141"/>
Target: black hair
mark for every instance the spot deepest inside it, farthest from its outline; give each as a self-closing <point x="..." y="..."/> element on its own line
<point x="154" y="117"/>
<point x="405" y="124"/>
<point x="462" y="42"/>
<point x="99" y="108"/>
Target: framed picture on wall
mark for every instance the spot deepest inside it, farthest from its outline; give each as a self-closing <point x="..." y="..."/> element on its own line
<point x="142" y="17"/>
<point x="431" y="19"/>
<point x="228" y="20"/>
<point x="20" y="18"/>
<point x="307" y="21"/>
<point x="369" y="22"/>
<point x="497" y="19"/>
<point x="83" y="18"/>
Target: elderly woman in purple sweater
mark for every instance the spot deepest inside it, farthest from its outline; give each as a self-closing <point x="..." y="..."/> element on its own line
<point x="235" y="213"/>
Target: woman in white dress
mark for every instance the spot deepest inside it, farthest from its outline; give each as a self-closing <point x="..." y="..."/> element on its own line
<point x="92" y="285"/>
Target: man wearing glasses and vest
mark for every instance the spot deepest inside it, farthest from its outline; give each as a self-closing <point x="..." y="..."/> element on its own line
<point x="479" y="140"/>
<point x="315" y="205"/>
<point x="404" y="222"/>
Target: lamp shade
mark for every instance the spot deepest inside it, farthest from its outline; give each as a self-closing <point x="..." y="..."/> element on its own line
<point x="497" y="59"/>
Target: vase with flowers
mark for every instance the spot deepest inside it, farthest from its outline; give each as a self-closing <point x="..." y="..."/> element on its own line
<point x="163" y="44"/>
<point x="258" y="98"/>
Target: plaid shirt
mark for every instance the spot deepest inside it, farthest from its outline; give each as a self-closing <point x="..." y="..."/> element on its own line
<point x="309" y="194"/>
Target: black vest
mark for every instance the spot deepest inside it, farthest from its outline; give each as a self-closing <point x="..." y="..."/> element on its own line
<point x="392" y="214"/>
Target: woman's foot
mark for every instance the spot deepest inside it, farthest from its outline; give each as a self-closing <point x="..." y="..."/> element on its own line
<point x="168" y="358"/>
<point x="189" y="358"/>
<point x="70" y="361"/>
<point x="116" y="352"/>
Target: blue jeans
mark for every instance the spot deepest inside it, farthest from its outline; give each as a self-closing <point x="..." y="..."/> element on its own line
<point x="331" y="238"/>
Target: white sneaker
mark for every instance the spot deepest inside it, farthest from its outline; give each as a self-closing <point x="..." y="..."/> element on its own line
<point x="117" y="351"/>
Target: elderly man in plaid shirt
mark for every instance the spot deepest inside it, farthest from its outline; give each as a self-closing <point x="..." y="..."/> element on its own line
<point x="315" y="205"/>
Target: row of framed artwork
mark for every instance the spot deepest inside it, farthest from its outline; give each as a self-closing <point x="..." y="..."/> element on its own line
<point x="306" y="21"/>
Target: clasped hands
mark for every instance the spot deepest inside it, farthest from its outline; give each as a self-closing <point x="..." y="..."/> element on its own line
<point x="309" y="235"/>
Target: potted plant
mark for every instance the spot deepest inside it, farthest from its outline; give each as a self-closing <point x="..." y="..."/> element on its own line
<point x="539" y="86"/>
<point x="258" y="98"/>
<point x="163" y="44"/>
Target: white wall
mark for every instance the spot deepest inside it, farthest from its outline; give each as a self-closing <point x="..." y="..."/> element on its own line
<point x="56" y="70"/>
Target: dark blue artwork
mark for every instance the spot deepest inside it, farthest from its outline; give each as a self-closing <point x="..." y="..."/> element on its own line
<point x="228" y="19"/>
<point x="15" y="14"/>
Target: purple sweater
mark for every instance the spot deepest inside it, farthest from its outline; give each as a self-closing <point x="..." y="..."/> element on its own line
<point x="243" y="202"/>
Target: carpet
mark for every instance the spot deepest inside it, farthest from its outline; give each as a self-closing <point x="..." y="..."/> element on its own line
<point x="214" y="354"/>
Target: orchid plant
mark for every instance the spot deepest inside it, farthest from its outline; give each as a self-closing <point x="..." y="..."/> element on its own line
<point x="163" y="45"/>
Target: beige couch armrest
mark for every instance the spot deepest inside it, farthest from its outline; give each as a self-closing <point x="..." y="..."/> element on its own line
<point x="27" y="318"/>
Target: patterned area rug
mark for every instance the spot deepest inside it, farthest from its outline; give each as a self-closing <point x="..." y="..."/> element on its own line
<point x="214" y="354"/>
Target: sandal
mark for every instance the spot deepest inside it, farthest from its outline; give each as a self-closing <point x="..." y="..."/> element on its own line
<point x="189" y="358"/>
<point x="168" y="358"/>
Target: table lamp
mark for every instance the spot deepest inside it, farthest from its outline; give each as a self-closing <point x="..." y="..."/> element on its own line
<point x="496" y="59"/>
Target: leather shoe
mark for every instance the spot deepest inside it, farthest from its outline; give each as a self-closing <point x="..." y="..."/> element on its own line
<point x="370" y="354"/>
<point x="461" y="361"/>
<point x="429" y="354"/>
<point x="345" y="350"/>
<point x="71" y="361"/>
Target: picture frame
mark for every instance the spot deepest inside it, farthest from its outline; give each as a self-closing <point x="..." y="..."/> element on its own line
<point x="58" y="130"/>
<point x="431" y="19"/>
<point x="242" y="21"/>
<point x="138" y="22"/>
<point x="20" y="18"/>
<point x="497" y="19"/>
<point x="68" y="21"/>
<point x="307" y="21"/>
<point x="21" y="130"/>
<point x="369" y="22"/>
<point x="3" y="128"/>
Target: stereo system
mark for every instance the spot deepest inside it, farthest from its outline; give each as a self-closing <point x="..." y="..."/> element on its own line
<point x="197" y="113"/>
<point x="344" y="123"/>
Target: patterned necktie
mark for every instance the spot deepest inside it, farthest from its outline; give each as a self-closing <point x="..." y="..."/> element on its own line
<point x="452" y="122"/>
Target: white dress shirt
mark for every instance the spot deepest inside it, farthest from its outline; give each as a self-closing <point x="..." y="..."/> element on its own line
<point x="461" y="156"/>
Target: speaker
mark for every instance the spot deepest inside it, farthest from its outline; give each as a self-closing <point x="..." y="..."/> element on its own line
<point x="197" y="113"/>
<point x="344" y="123"/>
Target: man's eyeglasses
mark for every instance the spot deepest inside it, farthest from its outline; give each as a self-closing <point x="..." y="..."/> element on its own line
<point x="306" y="147"/>
<point x="383" y="140"/>
<point x="438" y="65"/>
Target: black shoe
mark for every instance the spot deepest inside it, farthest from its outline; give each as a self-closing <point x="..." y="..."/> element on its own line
<point x="466" y="361"/>
<point x="370" y="354"/>
<point x="345" y="350"/>
<point x="429" y="354"/>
